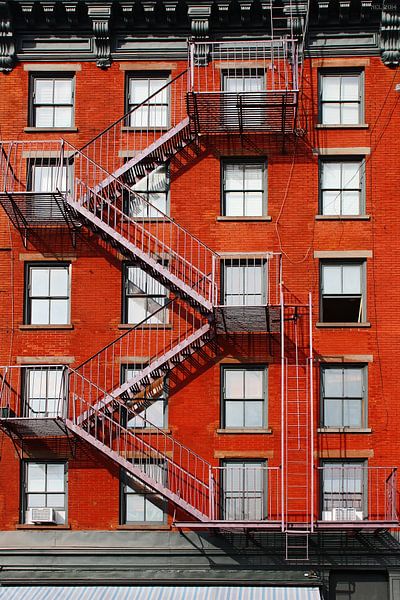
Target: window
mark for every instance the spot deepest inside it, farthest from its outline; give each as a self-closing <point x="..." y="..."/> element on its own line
<point x="244" y="396"/>
<point x="343" y="392"/>
<point x="238" y="81"/>
<point x="52" y="101"/>
<point x="47" y="175"/>
<point x="343" y="292"/>
<point x="244" y="490"/>
<point x="341" y="98"/>
<point x="153" y="410"/>
<point x="249" y="114"/>
<point x="143" y="296"/>
<point x="139" y="503"/>
<point x="244" y="282"/>
<point x="341" y="191"/>
<point x="344" y="491"/>
<point x="48" y="294"/>
<point x="155" y="112"/>
<point x="44" y="486"/>
<point x="244" y="188"/>
<point x="155" y="189"/>
<point x="44" y="392"/>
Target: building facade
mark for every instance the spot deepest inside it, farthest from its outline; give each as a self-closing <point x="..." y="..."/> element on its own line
<point x="198" y="246"/>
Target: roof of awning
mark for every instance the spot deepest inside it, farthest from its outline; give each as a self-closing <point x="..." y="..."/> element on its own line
<point x="158" y="593"/>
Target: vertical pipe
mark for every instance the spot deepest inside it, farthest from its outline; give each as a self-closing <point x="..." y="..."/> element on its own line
<point x="311" y="412"/>
<point x="283" y="424"/>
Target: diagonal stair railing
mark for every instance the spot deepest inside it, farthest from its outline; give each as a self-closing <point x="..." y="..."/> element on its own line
<point x="152" y="348"/>
<point x="147" y="135"/>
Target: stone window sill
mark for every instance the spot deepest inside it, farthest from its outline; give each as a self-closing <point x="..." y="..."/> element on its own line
<point x="342" y="126"/>
<point x="244" y="219"/>
<point x="143" y="527"/>
<point x="333" y="325"/>
<point x="344" y="430"/>
<point x="343" y="218"/>
<point x="42" y="527"/>
<point x="39" y="327"/>
<point x="149" y="326"/>
<point x="50" y="129"/>
<point x="240" y="430"/>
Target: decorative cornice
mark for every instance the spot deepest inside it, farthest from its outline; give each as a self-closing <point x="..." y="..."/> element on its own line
<point x="390" y="33"/>
<point x="100" y="15"/>
<point x="7" y="45"/>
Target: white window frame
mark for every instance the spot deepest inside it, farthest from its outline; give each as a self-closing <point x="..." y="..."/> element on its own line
<point x="146" y="496"/>
<point x="340" y="189"/>
<point x="244" y="401"/>
<point x="30" y="298"/>
<point x="161" y="318"/>
<point x="343" y="372"/>
<point x="235" y="503"/>
<point x="61" y="511"/>
<point x="129" y="370"/>
<point x="241" y="297"/>
<point x="159" y="100"/>
<point x="361" y="297"/>
<point x="341" y="102"/>
<point x="54" y="105"/>
<point x="243" y="164"/>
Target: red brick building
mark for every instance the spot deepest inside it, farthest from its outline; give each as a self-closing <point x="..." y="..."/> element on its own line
<point x="199" y="240"/>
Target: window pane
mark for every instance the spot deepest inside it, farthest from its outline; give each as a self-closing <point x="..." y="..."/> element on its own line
<point x="35" y="501"/>
<point x="333" y="413"/>
<point x="37" y="383"/>
<point x="135" y="507"/>
<point x="44" y="91"/>
<point x="353" y="383"/>
<point x="44" y="116"/>
<point x="138" y="90"/>
<point x="353" y="413"/>
<point x="351" y="175"/>
<point x="253" y="414"/>
<point x="350" y="113"/>
<point x="43" y="179"/>
<point x="254" y="177"/>
<point x="63" y="91"/>
<point x="331" y="203"/>
<point x="59" y="312"/>
<point x="55" y="500"/>
<point x="154" y="85"/>
<point x="54" y="383"/>
<point x="139" y="117"/>
<point x="253" y="279"/>
<point x="59" y="282"/>
<point x="39" y="282"/>
<point x="158" y="116"/>
<point x="55" y="477"/>
<point x="351" y="279"/>
<point x="331" y="175"/>
<point x="234" y="383"/>
<point x="331" y="114"/>
<point x="351" y="203"/>
<point x="234" y="177"/>
<point x="62" y="116"/>
<point x="136" y="309"/>
<point x="234" y="204"/>
<point x="332" y="279"/>
<point x="234" y="413"/>
<point x="254" y="384"/>
<point x="234" y="280"/>
<point x="350" y="88"/>
<point x="36" y="473"/>
<point x="253" y="204"/>
<point x="153" y="512"/>
<point x="40" y="312"/>
<point x="155" y="413"/>
<point x="331" y="88"/>
<point x="333" y="383"/>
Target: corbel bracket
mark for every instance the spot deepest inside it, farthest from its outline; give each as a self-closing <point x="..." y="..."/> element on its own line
<point x="7" y="42"/>
<point x="100" y="15"/>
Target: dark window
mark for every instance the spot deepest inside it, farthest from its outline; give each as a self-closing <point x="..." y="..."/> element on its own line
<point x="152" y="404"/>
<point x="343" y="292"/>
<point x="140" y="504"/>
<point x="343" y="392"/>
<point x="244" y="490"/>
<point x="52" y="101"/>
<point x="344" y="492"/>
<point x="341" y="98"/>
<point x="47" y="294"/>
<point x="44" y="392"/>
<point x="244" y="282"/>
<point x="358" y="585"/>
<point x="341" y="191"/>
<point x="155" y="189"/>
<point x="244" y="396"/>
<point x="149" y="113"/>
<point x="144" y="297"/>
<point x="44" y="486"/>
<point x="244" y="188"/>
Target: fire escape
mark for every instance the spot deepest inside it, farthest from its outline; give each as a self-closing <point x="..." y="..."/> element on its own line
<point x="239" y="88"/>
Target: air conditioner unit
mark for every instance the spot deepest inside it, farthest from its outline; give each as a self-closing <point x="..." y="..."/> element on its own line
<point x="342" y="514"/>
<point x="42" y="515"/>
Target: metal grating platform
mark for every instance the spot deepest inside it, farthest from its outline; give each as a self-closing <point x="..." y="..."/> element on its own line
<point x="245" y="319"/>
<point x="219" y="112"/>
<point x="34" y="428"/>
<point x="28" y="210"/>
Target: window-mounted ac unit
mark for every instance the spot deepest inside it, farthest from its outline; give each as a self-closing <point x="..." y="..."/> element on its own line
<point x="343" y="514"/>
<point x="42" y="515"/>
